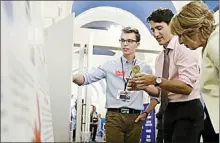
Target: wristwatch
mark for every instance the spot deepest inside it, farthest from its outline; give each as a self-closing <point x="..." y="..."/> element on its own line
<point x="158" y="81"/>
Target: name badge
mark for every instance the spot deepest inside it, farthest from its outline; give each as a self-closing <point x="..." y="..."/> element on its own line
<point x="124" y="95"/>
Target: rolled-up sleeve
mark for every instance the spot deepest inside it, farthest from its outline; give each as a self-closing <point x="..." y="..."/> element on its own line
<point x="96" y="74"/>
<point x="156" y="98"/>
<point x="187" y="63"/>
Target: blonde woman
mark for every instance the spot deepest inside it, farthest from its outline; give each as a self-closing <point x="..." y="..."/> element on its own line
<point x="195" y="26"/>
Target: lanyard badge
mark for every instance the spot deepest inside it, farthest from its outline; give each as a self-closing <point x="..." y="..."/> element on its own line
<point x="135" y="70"/>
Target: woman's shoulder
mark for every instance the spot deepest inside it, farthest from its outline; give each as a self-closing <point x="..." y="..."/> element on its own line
<point x="213" y="40"/>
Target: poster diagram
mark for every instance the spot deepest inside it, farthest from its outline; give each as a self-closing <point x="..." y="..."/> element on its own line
<point x="25" y="97"/>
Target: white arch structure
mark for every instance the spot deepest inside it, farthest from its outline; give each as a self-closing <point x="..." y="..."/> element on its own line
<point x="121" y="17"/>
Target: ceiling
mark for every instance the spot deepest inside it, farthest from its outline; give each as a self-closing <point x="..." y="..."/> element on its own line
<point x="53" y="11"/>
<point x="141" y="9"/>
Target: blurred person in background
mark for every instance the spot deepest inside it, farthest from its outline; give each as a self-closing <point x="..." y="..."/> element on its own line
<point x="99" y="130"/>
<point x="94" y="121"/>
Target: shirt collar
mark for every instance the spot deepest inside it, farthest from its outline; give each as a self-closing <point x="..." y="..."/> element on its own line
<point x="126" y="61"/>
<point x="172" y="42"/>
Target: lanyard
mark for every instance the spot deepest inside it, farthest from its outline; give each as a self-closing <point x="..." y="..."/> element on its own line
<point x="122" y="66"/>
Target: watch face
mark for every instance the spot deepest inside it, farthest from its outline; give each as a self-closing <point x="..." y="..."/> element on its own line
<point x="158" y="80"/>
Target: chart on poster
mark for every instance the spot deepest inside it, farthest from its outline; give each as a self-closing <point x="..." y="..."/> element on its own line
<point x="25" y="97"/>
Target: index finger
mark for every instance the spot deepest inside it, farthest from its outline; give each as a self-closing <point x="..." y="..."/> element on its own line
<point x="139" y="75"/>
<point x="130" y="80"/>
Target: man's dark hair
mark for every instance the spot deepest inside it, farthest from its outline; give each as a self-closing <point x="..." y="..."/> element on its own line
<point x="132" y="30"/>
<point x="161" y="15"/>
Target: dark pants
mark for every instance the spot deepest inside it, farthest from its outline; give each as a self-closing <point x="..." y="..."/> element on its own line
<point x="122" y="128"/>
<point x="183" y="122"/>
<point x="208" y="134"/>
<point x="93" y="130"/>
<point x="74" y="134"/>
<point x="159" y="137"/>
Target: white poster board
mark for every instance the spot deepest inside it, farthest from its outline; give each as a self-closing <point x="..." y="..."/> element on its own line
<point x="58" y="45"/>
<point x="25" y="97"/>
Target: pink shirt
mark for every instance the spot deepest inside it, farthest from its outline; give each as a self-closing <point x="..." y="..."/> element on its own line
<point x="184" y="66"/>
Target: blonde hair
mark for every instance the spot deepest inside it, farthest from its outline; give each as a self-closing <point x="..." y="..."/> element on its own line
<point x="194" y="18"/>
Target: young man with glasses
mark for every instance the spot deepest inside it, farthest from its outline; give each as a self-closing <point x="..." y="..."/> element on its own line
<point x="123" y="107"/>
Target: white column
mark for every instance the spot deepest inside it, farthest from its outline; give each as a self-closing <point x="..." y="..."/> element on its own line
<point x="89" y="90"/>
<point x="79" y="97"/>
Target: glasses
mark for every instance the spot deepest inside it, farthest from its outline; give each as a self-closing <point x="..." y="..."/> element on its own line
<point x="129" y="41"/>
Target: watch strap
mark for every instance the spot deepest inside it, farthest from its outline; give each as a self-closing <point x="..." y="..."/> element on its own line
<point x="156" y="84"/>
<point x="145" y="112"/>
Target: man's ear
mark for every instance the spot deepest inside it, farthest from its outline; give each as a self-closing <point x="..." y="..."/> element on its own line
<point x="138" y="43"/>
